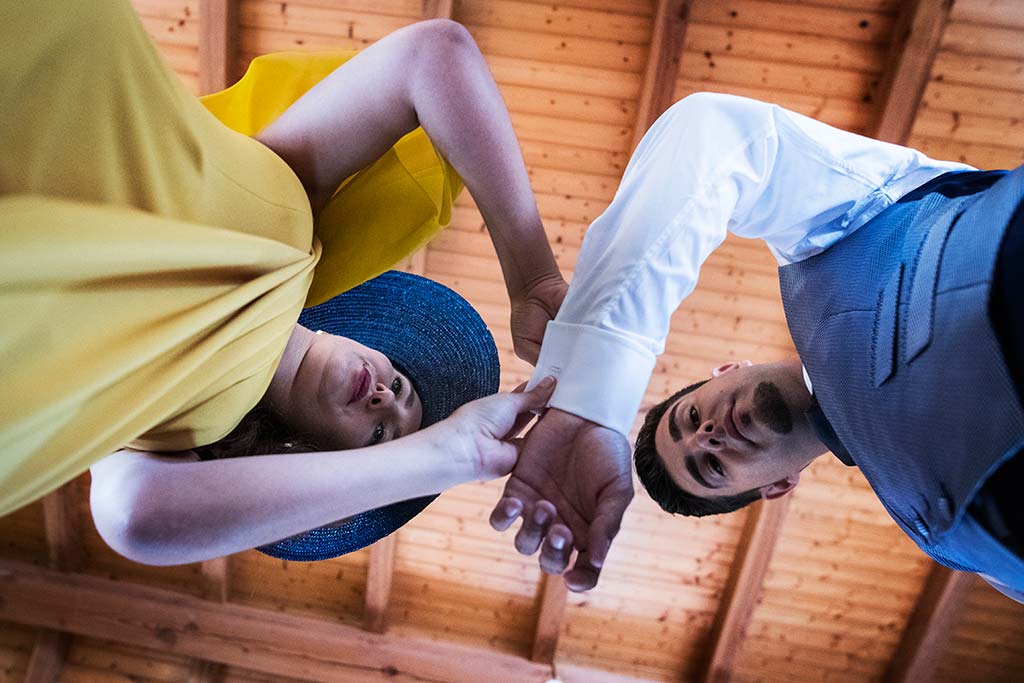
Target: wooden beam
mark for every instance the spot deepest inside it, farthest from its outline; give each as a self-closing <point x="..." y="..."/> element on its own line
<point x="549" y="619"/>
<point x="753" y="554"/>
<point x="916" y="35"/>
<point x="62" y="522"/>
<point x="61" y="517"/>
<point x="256" y="639"/>
<point x="670" y="20"/>
<point x="48" y="656"/>
<point x="439" y="9"/>
<point x="930" y="626"/>
<point x="218" y="44"/>
<point x="378" y="582"/>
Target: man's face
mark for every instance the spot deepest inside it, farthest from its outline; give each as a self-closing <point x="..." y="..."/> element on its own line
<point x="744" y="429"/>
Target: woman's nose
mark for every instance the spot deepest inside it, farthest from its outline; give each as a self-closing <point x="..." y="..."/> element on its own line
<point x="381" y="397"/>
<point x="708" y="436"/>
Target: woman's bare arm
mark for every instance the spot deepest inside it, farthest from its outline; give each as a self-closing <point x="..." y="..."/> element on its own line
<point x="429" y="74"/>
<point x="163" y="510"/>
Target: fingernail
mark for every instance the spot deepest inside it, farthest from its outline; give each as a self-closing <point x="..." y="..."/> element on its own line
<point x="547" y="381"/>
<point x="557" y="542"/>
<point x="540" y="516"/>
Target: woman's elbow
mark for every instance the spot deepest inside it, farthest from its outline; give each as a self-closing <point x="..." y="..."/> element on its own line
<point x="126" y="519"/>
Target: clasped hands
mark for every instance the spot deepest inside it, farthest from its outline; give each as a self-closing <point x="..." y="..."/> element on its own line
<point x="572" y="480"/>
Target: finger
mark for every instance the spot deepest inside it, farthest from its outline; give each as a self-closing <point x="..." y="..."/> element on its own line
<point x="584" y="574"/>
<point x="605" y="526"/>
<point x="521" y="388"/>
<point x="556" y="550"/>
<point x="505" y="513"/>
<point x="535" y="527"/>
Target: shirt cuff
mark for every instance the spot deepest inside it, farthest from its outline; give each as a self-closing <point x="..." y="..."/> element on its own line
<point x="601" y="375"/>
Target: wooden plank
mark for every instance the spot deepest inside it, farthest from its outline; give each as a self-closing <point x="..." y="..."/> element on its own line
<point x="549" y="618"/>
<point x="916" y="36"/>
<point x="667" y="40"/>
<point x="380" y="577"/>
<point x="439" y="9"/>
<point x="48" y="657"/>
<point x="64" y="547"/>
<point x="930" y="627"/>
<point x="218" y="43"/>
<point x="256" y="639"/>
<point x="202" y="671"/>
<point x="215" y="572"/>
<point x="753" y="554"/>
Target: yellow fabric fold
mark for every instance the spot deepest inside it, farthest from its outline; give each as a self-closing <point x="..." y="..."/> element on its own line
<point x="153" y="261"/>
<point x="383" y="213"/>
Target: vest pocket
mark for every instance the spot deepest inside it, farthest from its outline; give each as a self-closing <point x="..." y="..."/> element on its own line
<point x="921" y="300"/>
<point x="883" y="335"/>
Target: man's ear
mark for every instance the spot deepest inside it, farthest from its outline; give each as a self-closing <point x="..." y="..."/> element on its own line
<point x="722" y="369"/>
<point x="781" y="487"/>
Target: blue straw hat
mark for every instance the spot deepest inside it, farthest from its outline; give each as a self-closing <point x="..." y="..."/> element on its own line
<point x="439" y="342"/>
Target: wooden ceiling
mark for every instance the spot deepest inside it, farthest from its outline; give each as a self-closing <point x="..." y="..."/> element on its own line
<point x="821" y="586"/>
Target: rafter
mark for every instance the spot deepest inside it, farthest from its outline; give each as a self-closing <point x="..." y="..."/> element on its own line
<point x="753" y="554"/>
<point x="378" y="583"/>
<point x="256" y="639"/>
<point x="916" y="35"/>
<point x="930" y="626"/>
<point x="670" y="20"/>
<point x="64" y="548"/>
<point x="549" y="619"/>
<point x="439" y="9"/>
<point x="218" y="43"/>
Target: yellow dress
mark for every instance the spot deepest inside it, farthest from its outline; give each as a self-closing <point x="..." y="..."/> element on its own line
<point x="153" y="261"/>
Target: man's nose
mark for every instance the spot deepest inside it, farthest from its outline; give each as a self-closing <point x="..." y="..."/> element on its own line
<point x="709" y="436"/>
<point x="381" y="396"/>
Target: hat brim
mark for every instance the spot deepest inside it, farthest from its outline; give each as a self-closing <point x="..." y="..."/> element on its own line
<point x="439" y="342"/>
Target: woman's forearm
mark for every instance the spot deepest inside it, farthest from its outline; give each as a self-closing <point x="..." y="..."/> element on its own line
<point x="159" y="510"/>
<point x="428" y="74"/>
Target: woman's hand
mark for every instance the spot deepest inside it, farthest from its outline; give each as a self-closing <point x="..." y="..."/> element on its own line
<point x="531" y="312"/>
<point x="481" y="435"/>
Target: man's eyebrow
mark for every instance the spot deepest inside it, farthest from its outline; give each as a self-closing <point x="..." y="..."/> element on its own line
<point x="673" y="428"/>
<point x="691" y="467"/>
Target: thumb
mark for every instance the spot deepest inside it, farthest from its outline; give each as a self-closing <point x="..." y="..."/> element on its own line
<point x="535" y="398"/>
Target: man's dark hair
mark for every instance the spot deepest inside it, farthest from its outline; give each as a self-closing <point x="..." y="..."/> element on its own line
<point x="659" y="483"/>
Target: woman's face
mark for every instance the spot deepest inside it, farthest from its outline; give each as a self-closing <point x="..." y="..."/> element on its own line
<point x="348" y="395"/>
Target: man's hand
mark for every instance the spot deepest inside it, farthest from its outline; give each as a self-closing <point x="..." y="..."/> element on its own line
<point x="531" y="312"/>
<point x="572" y="485"/>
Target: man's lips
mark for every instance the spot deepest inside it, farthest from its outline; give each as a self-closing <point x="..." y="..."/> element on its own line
<point x="732" y="426"/>
<point x="360" y="385"/>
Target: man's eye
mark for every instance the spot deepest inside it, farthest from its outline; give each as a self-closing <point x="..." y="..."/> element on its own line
<point x="396" y="386"/>
<point x="716" y="465"/>
<point x="694" y="417"/>
<point x="378" y="434"/>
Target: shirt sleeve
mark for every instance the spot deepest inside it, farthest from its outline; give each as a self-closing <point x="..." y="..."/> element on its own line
<point x="711" y="164"/>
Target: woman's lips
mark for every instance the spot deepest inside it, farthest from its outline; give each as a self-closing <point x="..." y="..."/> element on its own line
<point x="360" y="385"/>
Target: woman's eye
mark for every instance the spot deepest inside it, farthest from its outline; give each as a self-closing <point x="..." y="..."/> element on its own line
<point x="694" y="417"/>
<point x="716" y="465"/>
<point x="378" y="434"/>
<point x="396" y="386"/>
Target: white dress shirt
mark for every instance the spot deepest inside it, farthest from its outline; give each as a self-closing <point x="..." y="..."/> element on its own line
<point x="712" y="163"/>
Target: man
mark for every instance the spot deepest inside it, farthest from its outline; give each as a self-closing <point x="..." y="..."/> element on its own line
<point x="887" y="263"/>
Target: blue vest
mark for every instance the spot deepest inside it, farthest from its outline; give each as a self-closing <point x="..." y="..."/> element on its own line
<point x="892" y="325"/>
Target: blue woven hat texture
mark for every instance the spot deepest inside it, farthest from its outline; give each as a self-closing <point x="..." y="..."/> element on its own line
<point x="439" y="342"/>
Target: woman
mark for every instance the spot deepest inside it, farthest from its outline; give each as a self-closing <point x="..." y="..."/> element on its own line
<point x="154" y="263"/>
